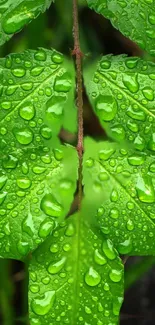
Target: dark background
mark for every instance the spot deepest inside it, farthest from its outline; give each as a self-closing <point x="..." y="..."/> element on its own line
<point x="98" y="37"/>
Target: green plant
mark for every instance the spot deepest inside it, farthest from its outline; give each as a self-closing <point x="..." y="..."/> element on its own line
<point x="75" y="271"/>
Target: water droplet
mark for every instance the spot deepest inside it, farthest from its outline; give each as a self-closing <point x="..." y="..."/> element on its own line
<point x="130" y="82"/>
<point x="10" y="162"/>
<point x="115" y="275"/>
<point x="105" y="64"/>
<point x="23" y="135"/>
<point x="54" y="107"/>
<point x="106" y="107"/>
<point x="46" y="132"/>
<point x="92" y="277"/>
<point x="40" y="55"/>
<point x="28" y="225"/>
<point x="23" y="248"/>
<point x="151" y="143"/>
<point x="114" y="213"/>
<point x="23" y="183"/>
<point x="130" y="225"/>
<point x="27" y="111"/>
<point x="105" y="154"/>
<point x="35" y="72"/>
<point x="148" y="93"/>
<point x="57" y="57"/>
<point x="62" y="83"/>
<point x="42" y="305"/>
<point x="114" y="196"/>
<point x="54" y="248"/>
<point x="131" y="63"/>
<point x="56" y="267"/>
<point x="58" y="154"/>
<point x="118" y="132"/>
<point x="51" y="206"/>
<point x="99" y="259"/>
<point x="145" y="189"/>
<point x="108" y="249"/>
<point x="136" y="160"/>
<point x="125" y="247"/>
<point x="45" y="228"/>
<point x="152" y="167"/>
<point x="70" y="231"/>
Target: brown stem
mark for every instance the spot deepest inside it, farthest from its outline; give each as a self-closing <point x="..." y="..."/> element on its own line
<point x="78" y="55"/>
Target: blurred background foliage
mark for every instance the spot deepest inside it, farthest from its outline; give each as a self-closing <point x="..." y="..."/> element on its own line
<point x="98" y="37"/>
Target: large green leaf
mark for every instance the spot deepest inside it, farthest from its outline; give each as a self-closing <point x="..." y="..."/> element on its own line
<point x="37" y="178"/>
<point x="76" y="277"/>
<point x="36" y="191"/>
<point x="15" y="14"/>
<point x="123" y="183"/>
<point x="134" y="18"/>
<point x="34" y="89"/>
<point x="122" y="91"/>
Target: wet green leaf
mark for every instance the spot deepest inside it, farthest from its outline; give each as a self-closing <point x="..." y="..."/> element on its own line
<point x="15" y="14"/>
<point x="76" y="277"/>
<point x="34" y="90"/>
<point x="134" y="19"/>
<point x="122" y="182"/>
<point x="36" y="191"/>
<point x="122" y="91"/>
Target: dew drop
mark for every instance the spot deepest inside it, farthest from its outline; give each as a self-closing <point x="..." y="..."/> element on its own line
<point x="115" y="275"/>
<point x="99" y="259"/>
<point x="23" y="183"/>
<point x="42" y="305"/>
<point x="27" y="111"/>
<point x="62" y="83"/>
<point x="23" y="135"/>
<point x="54" y="107"/>
<point x="92" y="277"/>
<point x="108" y="249"/>
<point x="106" y="107"/>
<point x="131" y="83"/>
<point x="10" y="162"/>
<point x="23" y="248"/>
<point x="56" y="267"/>
<point x="45" y="228"/>
<point x="51" y="206"/>
<point x="125" y="247"/>
<point x="145" y="189"/>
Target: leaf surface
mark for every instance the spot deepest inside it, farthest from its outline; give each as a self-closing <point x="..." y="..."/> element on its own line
<point x="34" y="90"/>
<point x="134" y="19"/>
<point x="74" y="278"/>
<point x="122" y="182"/>
<point x="37" y="178"/>
<point x="122" y="91"/>
<point x="15" y="14"/>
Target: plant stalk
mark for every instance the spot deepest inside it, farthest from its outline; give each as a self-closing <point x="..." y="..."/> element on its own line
<point x="79" y="88"/>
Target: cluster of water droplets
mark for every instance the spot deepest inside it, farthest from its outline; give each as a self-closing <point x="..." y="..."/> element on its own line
<point x="15" y="15"/>
<point x="61" y="263"/>
<point x="127" y="213"/>
<point x="123" y="95"/>
<point x="134" y="19"/>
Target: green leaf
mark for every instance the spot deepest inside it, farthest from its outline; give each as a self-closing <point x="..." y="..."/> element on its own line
<point x="134" y="19"/>
<point x="34" y="89"/>
<point x="125" y="194"/>
<point x="36" y="191"/>
<point x="122" y="92"/>
<point x="15" y="14"/>
<point x="75" y="278"/>
<point x="37" y="178"/>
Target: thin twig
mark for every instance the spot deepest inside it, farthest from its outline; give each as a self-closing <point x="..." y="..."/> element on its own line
<point x="78" y="55"/>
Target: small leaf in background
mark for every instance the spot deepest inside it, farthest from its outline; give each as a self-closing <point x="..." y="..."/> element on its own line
<point x="126" y="208"/>
<point x="134" y="19"/>
<point x="17" y="13"/>
<point x="122" y="91"/>
<point x="76" y="277"/>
